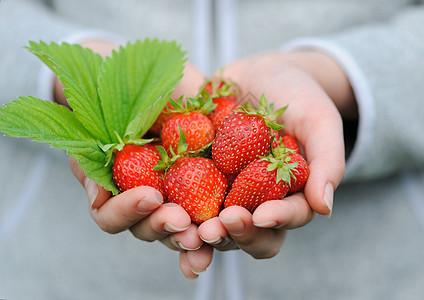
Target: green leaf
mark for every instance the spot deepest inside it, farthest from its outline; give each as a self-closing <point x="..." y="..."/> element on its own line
<point x="42" y="121"/>
<point x="77" y="68"/>
<point x="135" y="83"/>
<point x="119" y="97"/>
<point x="92" y="161"/>
<point x="53" y="124"/>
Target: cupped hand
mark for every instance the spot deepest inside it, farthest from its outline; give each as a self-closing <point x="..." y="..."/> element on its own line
<point x="317" y="94"/>
<point x="141" y="210"/>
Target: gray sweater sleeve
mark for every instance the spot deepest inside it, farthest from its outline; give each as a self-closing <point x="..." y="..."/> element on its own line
<point x="385" y="65"/>
<point x="21" y="21"/>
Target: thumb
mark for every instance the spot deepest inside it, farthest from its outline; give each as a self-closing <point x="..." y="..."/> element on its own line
<point x="324" y="147"/>
<point x="96" y="194"/>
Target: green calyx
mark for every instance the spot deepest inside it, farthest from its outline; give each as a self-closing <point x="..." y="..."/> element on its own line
<point x="266" y="111"/>
<point x="167" y="161"/>
<point x="196" y="104"/>
<point x="110" y="149"/>
<point x="220" y="88"/>
<point x="279" y="159"/>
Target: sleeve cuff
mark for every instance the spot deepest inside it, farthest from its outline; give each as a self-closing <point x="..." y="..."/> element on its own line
<point x="46" y="76"/>
<point x="361" y="89"/>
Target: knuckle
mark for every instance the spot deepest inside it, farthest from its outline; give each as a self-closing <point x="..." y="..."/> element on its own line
<point x="104" y="226"/>
<point x="246" y="241"/>
<point x="266" y="253"/>
<point x="142" y="237"/>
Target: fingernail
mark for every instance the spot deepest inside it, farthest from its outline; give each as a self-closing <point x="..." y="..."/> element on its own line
<point x="148" y="204"/>
<point x="185" y="248"/>
<point x="171" y="228"/>
<point x="234" y="225"/>
<point x="212" y="242"/>
<point x="91" y="189"/>
<point x="266" y="224"/>
<point x="198" y="272"/>
<point x="191" y="278"/>
<point x="328" y="198"/>
<point x="158" y="196"/>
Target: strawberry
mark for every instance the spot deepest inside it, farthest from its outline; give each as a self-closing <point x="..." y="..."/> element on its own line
<point x="243" y="137"/>
<point x="296" y="165"/>
<point x="164" y="116"/>
<point x="282" y="172"/>
<point x="224" y="94"/>
<point x="192" y="119"/>
<point x="288" y="141"/>
<point x="197" y="185"/>
<point x="197" y="128"/>
<point x="153" y="146"/>
<point x="224" y="108"/>
<point x="240" y="140"/>
<point x="255" y="185"/>
<point x="133" y="166"/>
<point x="299" y="174"/>
<point x="220" y="88"/>
<point x="213" y="86"/>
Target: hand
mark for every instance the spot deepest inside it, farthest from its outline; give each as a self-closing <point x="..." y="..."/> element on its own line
<point x="141" y="210"/>
<point x="318" y="94"/>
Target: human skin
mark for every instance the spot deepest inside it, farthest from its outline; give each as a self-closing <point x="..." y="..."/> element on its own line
<point x="318" y="95"/>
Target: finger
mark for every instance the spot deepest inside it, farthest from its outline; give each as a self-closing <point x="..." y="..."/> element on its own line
<point x="258" y="242"/>
<point x="186" y="267"/>
<point x="200" y="259"/>
<point x="186" y="240"/>
<point x="322" y="138"/>
<point x="76" y="170"/>
<point x="290" y="213"/>
<point x="194" y="263"/>
<point x="167" y="219"/>
<point x="237" y="71"/>
<point x="96" y="194"/>
<point x="126" y="209"/>
<point x="214" y="233"/>
<point x="190" y="83"/>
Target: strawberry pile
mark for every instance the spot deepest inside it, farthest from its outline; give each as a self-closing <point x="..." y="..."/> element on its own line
<point x="208" y="153"/>
<point x="203" y="153"/>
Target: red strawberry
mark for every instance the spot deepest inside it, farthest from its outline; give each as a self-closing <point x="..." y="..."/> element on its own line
<point x="288" y="141"/>
<point x="164" y="116"/>
<point x="133" y="166"/>
<point x="197" y="128"/>
<point x="213" y="86"/>
<point x="197" y="185"/>
<point x="244" y="136"/>
<point x="240" y="140"/>
<point x="220" y="88"/>
<point x="224" y="108"/>
<point x="255" y="185"/>
<point x="153" y="146"/>
<point x="299" y="174"/>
